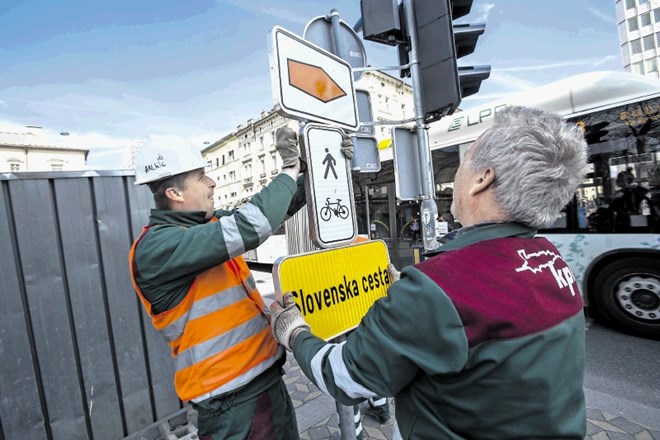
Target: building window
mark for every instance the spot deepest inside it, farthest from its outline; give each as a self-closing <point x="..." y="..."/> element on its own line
<point x="643" y="2"/>
<point x="656" y="15"/>
<point x="636" y="46"/>
<point x="217" y="161"/>
<point x="650" y="65"/>
<point x="645" y="19"/>
<point x="230" y="155"/>
<point x="632" y="24"/>
<point x="657" y="39"/>
<point x="625" y="54"/>
<point x="232" y="175"/>
<point x="630" y="4"/>
<point x="648" y="42"/>
<point x="638" y="68"/>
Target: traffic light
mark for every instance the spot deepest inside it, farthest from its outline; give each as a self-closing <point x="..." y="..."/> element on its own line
<point x="440" y="44"/>
<point x="595" y="133"/>
<point x="381" y="21"/>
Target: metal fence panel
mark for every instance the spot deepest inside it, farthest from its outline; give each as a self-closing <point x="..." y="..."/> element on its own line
<point x="80" y="358"/>
<point x="114" y="240"/>
<point x="40" y="252"/>
<point x="20" y="408"/>
<point x="80" y="248"/>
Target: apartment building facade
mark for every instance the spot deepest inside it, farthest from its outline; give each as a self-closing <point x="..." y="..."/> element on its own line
<point x="639" y="35"/>
<point x="30" y="150"/>
<point x="244" y="161"/>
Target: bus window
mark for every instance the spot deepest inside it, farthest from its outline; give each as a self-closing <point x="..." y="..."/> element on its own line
<point x="445" y="164"/>
<point x="621" y="191"/>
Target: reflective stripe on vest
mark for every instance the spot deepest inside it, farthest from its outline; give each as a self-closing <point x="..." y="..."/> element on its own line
<point x="218" y="333"/>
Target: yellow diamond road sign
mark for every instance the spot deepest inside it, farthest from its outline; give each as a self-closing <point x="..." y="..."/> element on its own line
<point x="334" y="288"/>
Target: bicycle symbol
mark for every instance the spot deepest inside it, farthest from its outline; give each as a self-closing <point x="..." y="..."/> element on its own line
<point x="335" y="208"/>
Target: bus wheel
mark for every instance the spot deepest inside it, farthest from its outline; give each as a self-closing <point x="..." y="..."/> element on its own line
<point x="627" y="293"/>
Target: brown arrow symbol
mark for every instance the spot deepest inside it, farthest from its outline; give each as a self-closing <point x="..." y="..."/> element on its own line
<point x="314" y="81"/>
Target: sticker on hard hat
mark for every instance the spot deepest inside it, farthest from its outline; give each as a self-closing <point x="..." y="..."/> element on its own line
<point x="159" y="163"/>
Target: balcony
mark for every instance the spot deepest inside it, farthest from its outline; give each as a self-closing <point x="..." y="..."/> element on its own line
<point x="247" y="182"/>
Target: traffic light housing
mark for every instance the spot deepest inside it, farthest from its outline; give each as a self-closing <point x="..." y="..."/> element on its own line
<point x="440" y="43"/>
<point x="381" y="21"/>
<point x="595" y="133"/>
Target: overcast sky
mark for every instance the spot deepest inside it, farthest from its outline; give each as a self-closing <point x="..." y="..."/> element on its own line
<point x="112" y="73"/>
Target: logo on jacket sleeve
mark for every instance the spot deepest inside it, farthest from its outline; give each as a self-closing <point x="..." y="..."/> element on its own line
<point x="536" y="262"/>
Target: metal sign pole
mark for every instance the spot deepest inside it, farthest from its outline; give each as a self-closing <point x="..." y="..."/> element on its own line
<point x="345" y="413"/>
<point x="428" y="208"/>
<point x="334" y="20"/>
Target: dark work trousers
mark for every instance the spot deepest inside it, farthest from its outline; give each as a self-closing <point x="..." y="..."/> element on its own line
<point x="266" y="416"/>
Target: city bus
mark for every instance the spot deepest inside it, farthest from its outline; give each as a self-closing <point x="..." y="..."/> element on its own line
<point x="609" y="233"/>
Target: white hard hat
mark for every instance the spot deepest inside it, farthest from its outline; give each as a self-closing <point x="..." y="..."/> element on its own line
<point x="165" y="156"/>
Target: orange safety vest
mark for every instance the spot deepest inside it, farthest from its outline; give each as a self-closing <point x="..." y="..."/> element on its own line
<point x="218" y="334"/>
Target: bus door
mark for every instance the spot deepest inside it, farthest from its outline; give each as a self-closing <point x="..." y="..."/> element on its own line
<point x="380" y="204"/>
<point x="397" y="223"/>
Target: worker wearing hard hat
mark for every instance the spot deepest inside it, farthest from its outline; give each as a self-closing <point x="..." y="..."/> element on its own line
<point x="188" y="271"/>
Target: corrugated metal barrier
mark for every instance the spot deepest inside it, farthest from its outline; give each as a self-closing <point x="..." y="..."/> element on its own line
<point x="80" y="359"/>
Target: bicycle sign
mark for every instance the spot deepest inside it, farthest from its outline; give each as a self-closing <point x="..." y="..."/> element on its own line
<point x="335" y="208"/>
<point x="329" y="188"/>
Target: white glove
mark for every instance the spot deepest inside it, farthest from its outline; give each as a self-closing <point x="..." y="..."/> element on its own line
<point x="394" y="274"/>
<point x="347" y="147"/>
<point x="287" y="146"/>
<point x="287" y="322"/>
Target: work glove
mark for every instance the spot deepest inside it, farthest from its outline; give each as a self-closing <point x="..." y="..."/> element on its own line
<point x="347" y="147"/>
<point x="394" y="274"/>
<point x="286" y="321"/>
<point x="287" y="146"/>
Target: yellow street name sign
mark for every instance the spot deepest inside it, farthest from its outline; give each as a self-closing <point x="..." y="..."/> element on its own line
<point x="334" y="288"/>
